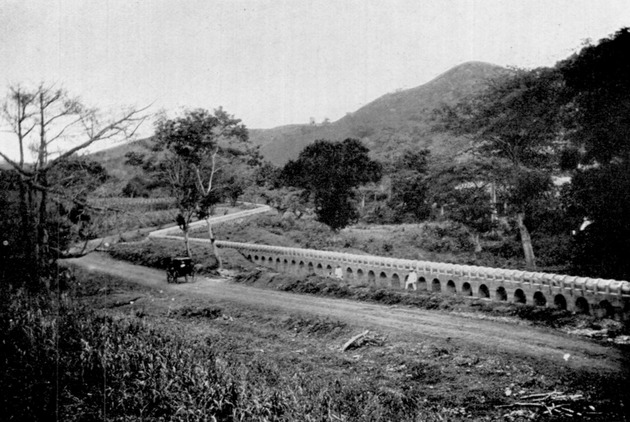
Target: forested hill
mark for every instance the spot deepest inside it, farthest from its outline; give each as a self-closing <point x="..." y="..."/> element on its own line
<point x="113" y="159"/>
<point x="389" y="123"/>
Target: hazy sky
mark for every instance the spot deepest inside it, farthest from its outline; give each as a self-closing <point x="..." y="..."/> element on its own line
<point x="279" y="62"/>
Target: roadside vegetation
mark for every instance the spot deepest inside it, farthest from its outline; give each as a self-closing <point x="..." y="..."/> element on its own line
<point x="101" y="348"/>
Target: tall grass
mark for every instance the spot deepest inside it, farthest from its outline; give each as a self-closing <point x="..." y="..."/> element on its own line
<point x="63" y="361"/>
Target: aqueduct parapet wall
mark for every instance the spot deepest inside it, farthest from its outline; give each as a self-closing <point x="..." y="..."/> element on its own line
<point x="580" y="294"/>
<point x="536" y="288"/>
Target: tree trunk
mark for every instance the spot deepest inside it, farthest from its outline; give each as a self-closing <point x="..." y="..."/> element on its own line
<point x="187" y="243"/>
<point x="42" y="227"/>
<point x="528" y="250"/>
<point x="476" y="242"/>
<point x="33" y="245"/>
<point x="26" y="221"/>
<point x="494" y="216"/>
<point x="215" y="249"/>
<point x="28" y="234"/>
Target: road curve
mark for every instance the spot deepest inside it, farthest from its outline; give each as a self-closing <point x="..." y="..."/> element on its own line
<point x="399" y="322"/>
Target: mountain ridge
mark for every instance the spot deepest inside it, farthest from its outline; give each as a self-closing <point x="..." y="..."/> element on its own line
<point x="400" y="117"/>
<point x="387" y="125"/>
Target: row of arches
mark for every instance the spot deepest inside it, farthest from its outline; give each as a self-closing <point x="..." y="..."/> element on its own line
<point x="382" y="279"/>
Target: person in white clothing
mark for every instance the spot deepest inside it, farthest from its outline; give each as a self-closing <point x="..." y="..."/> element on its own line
<point x="338" y="272"/>
<point x="412" y="280"/>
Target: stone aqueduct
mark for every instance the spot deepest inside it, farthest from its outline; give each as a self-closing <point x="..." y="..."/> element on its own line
<point x="579" y="294"/>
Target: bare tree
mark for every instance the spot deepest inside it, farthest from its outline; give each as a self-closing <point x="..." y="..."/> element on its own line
<point x="54" y="126"/>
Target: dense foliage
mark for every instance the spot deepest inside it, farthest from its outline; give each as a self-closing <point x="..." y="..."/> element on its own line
<point x="598" y="81"/>
<point x="569" y="120"/>
<point x="409" y="187"/>
<point x="516" y="121"/>
<point x="329" y="172"/>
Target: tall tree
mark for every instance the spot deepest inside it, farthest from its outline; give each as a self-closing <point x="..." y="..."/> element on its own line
<point x="468" y="193"/>
<point x="201" y="147"/>
<point x="54" y="126"/>
<point x="517" y="120"/>
<point x="598" y="84"/>
<point x="409" y="188"/>
<point x="329" y="172"/>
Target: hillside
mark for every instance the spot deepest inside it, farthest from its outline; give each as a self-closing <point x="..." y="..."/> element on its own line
<point x="389" y="123"/>
<point x="386" y="125"/>
<point x="113" y="159"/>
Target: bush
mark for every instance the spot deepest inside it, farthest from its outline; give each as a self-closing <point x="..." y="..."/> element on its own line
<point x="136" y="188"/>
<point x="443" y="238"/>
<point x="552" y="250"/>
<point x="508" y="248"/>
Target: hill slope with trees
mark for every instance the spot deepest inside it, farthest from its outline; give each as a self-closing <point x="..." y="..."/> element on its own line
<point x="393" y="122"/>
<point x="388" y="125"/>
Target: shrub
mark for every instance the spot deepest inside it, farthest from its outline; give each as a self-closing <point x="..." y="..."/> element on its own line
<point x="448" y="237"/>
<point x="136" y="188"/>
<point x="552" y="250"/>
<point x="508" y="248"/>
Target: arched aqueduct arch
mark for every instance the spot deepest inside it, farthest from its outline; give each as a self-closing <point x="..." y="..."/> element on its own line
<point x="451" y="287"/>
<point x="360" y="275"/>
<point x="578" y="294"/>
<point x="395" y="283"/>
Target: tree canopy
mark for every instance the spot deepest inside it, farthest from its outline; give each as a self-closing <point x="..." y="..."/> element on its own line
<point x="409" y="188"/>
<point x="598" y="85"/>
<point x="517" y="121"/>
<point x="328" y="172"/>
<point x="200" y="153"/>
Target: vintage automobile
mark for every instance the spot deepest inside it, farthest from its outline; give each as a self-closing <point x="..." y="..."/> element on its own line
<point x="180" y="267"/>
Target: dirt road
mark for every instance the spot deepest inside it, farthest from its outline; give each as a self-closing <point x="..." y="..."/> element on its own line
<point x="396" y="322"/>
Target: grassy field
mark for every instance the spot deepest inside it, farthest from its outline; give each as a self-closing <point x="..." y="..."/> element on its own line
<point x="142" y="215"/>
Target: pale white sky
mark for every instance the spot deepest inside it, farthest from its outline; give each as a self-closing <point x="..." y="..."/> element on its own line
<point x="275" y="62"/>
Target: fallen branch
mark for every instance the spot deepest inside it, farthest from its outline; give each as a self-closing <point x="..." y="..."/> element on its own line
<point x="124" y="302"/>
<point x="521" y="405"/>
<point x="354" y="340"/>
<point x="539" y="396"/>
<point x="552" y="403"/>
